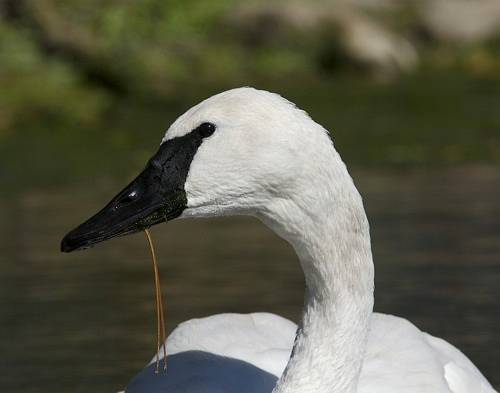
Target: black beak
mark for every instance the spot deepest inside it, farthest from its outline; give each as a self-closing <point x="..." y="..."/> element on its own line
<point x="155" y="196"/>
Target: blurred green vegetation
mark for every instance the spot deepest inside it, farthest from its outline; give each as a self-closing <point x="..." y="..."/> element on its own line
<point x="88" y="87"/>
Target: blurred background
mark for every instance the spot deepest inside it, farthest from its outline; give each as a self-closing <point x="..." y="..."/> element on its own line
<point x="409" y="89"/>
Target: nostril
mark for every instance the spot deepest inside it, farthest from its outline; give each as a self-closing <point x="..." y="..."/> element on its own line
<point x="126" y="199"/>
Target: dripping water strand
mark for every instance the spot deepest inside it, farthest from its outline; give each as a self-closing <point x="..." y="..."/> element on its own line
<point x="160" y="317"/>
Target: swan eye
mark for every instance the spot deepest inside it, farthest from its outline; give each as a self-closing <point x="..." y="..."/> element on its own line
<point x="206" y="129"/>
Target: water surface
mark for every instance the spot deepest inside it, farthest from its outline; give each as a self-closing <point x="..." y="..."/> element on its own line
<point x="84" y="322"/>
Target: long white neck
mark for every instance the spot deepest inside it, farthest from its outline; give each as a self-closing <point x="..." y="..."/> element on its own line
<point x="326" y="224"/>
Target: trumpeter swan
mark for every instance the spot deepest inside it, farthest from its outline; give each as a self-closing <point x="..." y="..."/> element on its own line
<point x="251" y="152"/>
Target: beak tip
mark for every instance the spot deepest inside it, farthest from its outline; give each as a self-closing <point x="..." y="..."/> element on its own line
<point x="67" y="245"/>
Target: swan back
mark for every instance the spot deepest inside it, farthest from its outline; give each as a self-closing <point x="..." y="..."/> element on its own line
<point x="240" y="353"/>
<point x="262" y="339"/>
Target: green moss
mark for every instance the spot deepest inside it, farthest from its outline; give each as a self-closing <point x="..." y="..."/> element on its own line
<point x="169" y="210"/>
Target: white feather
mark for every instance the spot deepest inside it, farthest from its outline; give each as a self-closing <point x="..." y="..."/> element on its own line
<point x="270" y="160"/>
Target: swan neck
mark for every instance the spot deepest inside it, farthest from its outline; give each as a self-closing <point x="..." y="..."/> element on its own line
<point x="331" y="238"/>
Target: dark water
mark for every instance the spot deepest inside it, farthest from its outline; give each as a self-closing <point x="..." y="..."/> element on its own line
<point x="84" y="322"/>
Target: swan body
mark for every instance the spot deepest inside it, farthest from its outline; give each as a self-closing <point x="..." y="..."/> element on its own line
<point x="399" y="357"/>
<point x="251" y="152"/>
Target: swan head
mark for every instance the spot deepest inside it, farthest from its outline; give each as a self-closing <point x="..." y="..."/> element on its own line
<point x="238" y="152"/>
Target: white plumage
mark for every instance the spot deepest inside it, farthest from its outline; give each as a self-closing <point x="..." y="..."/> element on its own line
<point x="270" y="160"/>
